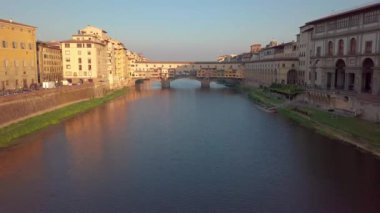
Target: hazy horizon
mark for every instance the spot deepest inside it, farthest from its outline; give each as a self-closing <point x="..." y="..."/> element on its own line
<point x="173" y="30"/>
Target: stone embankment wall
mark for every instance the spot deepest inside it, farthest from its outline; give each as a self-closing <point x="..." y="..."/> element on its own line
<point x="21" y="106"/>
<point x="366" y="107"/>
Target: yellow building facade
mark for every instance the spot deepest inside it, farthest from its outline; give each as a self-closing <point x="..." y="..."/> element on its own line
<point x="84" y="61"/>
<point x="18" y="56"/>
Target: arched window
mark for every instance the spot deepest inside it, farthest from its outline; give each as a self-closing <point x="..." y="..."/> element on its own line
<point x="330" y="48"/>
<point x="341" y="47"/>
<point x="353" y="46"/>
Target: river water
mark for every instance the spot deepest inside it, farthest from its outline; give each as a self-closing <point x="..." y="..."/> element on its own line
<point x="185" y="150"/>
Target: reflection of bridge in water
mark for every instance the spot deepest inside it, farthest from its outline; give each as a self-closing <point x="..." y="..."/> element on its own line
<point x="205" y="72"/>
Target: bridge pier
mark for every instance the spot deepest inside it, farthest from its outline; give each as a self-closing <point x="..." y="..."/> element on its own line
<point x="165" y="83"/>
<point x="205" y="83"/>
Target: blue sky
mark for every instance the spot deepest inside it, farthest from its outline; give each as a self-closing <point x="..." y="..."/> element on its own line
<point x="173" y="29"/>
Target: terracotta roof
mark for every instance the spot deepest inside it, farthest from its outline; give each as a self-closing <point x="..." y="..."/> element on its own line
<point x="82" y="42"/>
<point x="16" y="23"/>
<point x="345" y="13"/>
<point x="49" y="45"/>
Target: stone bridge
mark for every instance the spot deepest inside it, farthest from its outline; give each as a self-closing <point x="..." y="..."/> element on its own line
<point x="205" y="72"/>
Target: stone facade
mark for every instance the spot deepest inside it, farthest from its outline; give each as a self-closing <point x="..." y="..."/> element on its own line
<point x="49" y="62"/>
<point x="274" y="64"/>
<point x="345" y="51"/>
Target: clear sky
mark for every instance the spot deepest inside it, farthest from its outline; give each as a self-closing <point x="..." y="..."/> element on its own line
<point x="174" y="29"/>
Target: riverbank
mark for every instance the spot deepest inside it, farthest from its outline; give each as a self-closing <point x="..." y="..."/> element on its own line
<point x="360" y="133"/>
<point x="9" y="133"/>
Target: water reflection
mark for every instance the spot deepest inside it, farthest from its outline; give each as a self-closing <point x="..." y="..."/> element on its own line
<point x="185" y="149"/>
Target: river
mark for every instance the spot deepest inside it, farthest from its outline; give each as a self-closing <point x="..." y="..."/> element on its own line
<point x="185" y="149"/>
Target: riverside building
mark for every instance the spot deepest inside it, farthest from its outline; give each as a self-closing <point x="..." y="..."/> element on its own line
<point x="275" y="64"/>
<point x="84" y="60"/>
<point x="345" y="50"/>
<point x="340" y="56"/>
<point x="49" y="62"/>
<point x="17" y="55"/>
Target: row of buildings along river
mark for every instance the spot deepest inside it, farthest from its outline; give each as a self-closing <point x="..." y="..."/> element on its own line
<point x="335" y="57"/>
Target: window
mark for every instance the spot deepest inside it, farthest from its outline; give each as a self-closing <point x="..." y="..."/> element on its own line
<point x="67" y="59"/>
<point x="353" y="46"/>
<point x="22" y="45"/>
<point x="89" y="67"/>
<point x="30" y="46"/>
<point x="89" y="60"/>
<point x="88" y="52"/>
<point x="67" y="52"/>
<point x="14" y="45"/>
<point x="4" y="44"/>
<point x="331" y="25"/>
<point x="80" y="67"/>
<point x="319" y="51"/>
<point x="371" y="17"/>
<point x="330" y="48"/>
<point x="79" y="60"/>
<point x="354" y="20"/>
<point x="341" y="47"/>
<point x="368" y="47"/>
<point x="79" y="45"/>
<point x="68" y="67"/>
<point x="67" y="45"/>
<point x="88" y="45"/>
<point x="342" y="23"/>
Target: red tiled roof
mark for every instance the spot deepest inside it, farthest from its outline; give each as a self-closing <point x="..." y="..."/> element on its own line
<point x="16" y="23"/>
<point x="347" y="12"/>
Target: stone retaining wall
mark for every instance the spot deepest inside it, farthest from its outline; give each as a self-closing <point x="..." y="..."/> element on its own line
<point x="21" y="106"/>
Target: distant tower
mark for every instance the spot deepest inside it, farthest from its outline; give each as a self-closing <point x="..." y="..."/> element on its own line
<point x="255" y="48"/>
<point x="272" y="43"/>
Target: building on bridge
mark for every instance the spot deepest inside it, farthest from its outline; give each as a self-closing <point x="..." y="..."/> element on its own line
<point x="152" y="69"/>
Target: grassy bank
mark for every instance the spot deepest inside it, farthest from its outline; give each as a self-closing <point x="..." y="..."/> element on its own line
<point x="350" y="129"/>
<point x="264" y="97"/>
<point x="10" y="133"/>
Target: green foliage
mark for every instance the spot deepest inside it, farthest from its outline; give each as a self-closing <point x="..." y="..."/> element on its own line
<point x="323" y="122"/>
<point x="286" y="89"/>
<point x="264" y="97"/>
<point x="354" y="127"/>
<point x="10" y="133"/>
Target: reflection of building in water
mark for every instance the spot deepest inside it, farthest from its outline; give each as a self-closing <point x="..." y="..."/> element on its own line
<point x="20" y="159"/>
<point x="85" y="134"/>
<point x="90" y="132"/>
